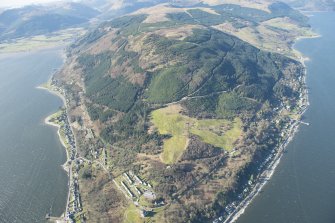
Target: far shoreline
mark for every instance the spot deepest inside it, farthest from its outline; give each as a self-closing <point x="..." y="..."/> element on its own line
<point x="5" y="55"/>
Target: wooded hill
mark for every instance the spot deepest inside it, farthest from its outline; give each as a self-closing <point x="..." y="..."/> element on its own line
<point x="187" y="106"/>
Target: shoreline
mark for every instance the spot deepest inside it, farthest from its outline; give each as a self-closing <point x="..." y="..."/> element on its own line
<point x="55" y="93"/>
<point x="66" y="167"/>
<point x="48" y="122"/>
<point x="265" y="176"/>
<point x="59" y="48"/>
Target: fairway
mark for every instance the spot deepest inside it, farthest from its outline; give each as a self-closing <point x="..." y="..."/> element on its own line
<point x="217" y="132"/>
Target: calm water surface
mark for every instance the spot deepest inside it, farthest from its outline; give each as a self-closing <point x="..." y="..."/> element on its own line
<point x="303" y="188"/>
<point x="31" y="178"/>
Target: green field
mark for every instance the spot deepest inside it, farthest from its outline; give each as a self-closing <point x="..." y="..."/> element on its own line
<point x="169" y="122"/>
<point x="54" y="116"/>
<point x="132" y="215"/>
<point x="203" y="129"/>
<point x="218" y="132"/>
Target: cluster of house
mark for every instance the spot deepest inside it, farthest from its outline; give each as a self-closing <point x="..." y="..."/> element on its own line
<point x="138" y="185"/>
<point x="230" y="208"/>
<point x="135" y="187"/>
<point x="69" y="135"/>
<point x="76" y="203"/>
<point x="75" y="206"/>
<point x="96" y="152"/>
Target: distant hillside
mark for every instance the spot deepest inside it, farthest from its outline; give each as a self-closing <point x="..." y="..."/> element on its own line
<point x="112" y="9"/>
<point x="312" y="5"/>
<point x="35" y="20"/>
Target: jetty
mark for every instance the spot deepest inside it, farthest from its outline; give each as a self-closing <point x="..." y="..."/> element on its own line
<point x="305" y="123"/>
<point x="55" y="219"/>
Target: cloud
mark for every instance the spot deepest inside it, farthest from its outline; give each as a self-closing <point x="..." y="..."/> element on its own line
<point x="117" y="4"/>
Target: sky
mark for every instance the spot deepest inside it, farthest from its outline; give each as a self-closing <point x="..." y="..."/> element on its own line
<point x="16" y="3"/>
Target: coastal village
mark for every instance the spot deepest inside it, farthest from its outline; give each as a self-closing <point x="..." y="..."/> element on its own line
<point x="133" y="187"/>
<point x="137" y="190"/>
<point x="60" y="119"/>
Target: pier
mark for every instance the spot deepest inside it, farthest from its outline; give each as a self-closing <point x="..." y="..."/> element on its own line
<point x="55" y="219"/>
<point x="305" y="123"/>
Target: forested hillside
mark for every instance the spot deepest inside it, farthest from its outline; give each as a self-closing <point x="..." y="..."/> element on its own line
<point x="176" y="96"/>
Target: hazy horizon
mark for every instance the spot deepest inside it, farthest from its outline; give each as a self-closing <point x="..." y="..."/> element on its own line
<point x="18" y="3"/>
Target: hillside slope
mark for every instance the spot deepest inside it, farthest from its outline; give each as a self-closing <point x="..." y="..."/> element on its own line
<point x="36" y="20"/>
<point x="177" y="96"/>
<point x="312" y="5"/>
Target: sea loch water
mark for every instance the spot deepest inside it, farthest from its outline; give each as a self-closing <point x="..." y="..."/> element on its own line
<point x="32" y="180"/>
<point x="302" y="190"/>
